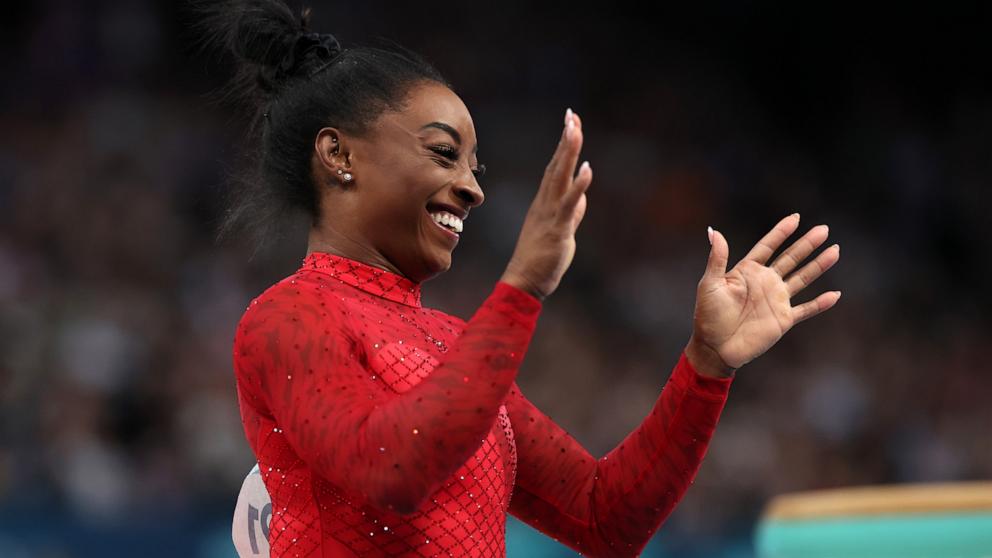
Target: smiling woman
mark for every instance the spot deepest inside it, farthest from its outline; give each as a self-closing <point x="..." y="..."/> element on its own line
<point x="383" y="428"/>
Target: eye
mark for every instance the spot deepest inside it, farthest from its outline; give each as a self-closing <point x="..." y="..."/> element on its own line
<point x="446" y="151"/>
<point x="450" y="153"/>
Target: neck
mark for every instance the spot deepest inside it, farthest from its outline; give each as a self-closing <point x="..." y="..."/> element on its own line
<point x="326" y="238"/>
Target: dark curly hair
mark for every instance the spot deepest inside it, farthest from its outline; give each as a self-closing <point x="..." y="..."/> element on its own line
<point x="294" y="82"/>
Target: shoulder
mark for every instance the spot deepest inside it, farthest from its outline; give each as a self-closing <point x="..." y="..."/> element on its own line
<point x="454" y="322"/>
<point x="444" y="316"/>
<point x="298" y="299"/>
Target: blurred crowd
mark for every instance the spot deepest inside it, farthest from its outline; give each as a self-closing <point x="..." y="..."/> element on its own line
<point x="118" y="305"/>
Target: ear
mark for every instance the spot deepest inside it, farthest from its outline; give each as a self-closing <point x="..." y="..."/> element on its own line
<point x="333" y="151"/>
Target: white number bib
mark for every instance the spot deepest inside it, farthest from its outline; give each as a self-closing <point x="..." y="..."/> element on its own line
<point x="252" y="516"/>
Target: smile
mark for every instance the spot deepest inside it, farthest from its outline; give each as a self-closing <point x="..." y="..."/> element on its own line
<point x="447" y="222"/>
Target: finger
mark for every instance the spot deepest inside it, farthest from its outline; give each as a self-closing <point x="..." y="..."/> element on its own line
<point x="579" y="212"/>
<point x="551" y="169"/>
<point x="716" y="266"/>
<point x="800" y="250"/>
<point x="578" y="121"/>
<point x="580" y="184"/>
<point x="559" y="158"/>
<point x="813" y="270"/>
<point x="771" y="241"/>
<point x="816" y="306"/>
<point x="565" y="170"/>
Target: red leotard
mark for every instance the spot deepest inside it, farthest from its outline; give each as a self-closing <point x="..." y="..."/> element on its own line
<point x="383" y="428"/>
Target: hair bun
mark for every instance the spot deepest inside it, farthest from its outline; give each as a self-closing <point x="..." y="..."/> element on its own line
<point x="307" y="47"/>
<point x="271" y="45"/>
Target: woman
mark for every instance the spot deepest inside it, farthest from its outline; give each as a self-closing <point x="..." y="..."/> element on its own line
<point x="383" y="428"/>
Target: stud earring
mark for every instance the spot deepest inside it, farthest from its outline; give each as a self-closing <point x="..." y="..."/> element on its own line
<point x="345" y="176"/>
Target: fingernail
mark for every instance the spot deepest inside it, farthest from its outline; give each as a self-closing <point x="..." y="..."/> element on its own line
<point x="568" y="116"/>
<point x="709" y="234"/>
<point x="838" y="294"/>
<point x="796" y="215"/>
<point x="585" y="165"/>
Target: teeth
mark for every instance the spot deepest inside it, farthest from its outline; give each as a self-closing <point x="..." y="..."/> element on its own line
<point x="446" y="219"/>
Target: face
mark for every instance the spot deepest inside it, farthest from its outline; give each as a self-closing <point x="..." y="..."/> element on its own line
<point x="413" y="168"/>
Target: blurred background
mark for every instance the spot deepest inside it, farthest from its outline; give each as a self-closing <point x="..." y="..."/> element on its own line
<point x="119" y="428"/>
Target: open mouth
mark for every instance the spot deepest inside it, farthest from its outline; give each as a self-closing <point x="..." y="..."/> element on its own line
<point x="446" y="221"/>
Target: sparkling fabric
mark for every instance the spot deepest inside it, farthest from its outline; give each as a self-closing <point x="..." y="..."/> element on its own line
<point x="383" y="428"/>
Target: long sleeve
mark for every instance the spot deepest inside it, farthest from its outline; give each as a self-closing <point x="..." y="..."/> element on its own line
<point x="612" y="506"/>
<point x="301" y="358"/>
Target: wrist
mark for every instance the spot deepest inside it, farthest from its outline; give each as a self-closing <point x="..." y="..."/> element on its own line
<point x="520" y="283"/>
<point x="706" y="361"/>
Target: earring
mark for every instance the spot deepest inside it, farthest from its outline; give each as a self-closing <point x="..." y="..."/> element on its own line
<point x="345" y="176"/>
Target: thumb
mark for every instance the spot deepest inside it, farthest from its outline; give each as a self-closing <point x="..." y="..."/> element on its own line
<point x="719" y="252"/>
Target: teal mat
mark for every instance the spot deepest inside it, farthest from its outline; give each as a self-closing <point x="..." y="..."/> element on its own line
<point x="945" y="535"/>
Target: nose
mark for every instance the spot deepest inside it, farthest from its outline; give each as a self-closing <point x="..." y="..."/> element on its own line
<point x="468" y="189"/>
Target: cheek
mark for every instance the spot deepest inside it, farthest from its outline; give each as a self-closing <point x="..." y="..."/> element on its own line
<point x="415" y="185"/>
<point x="400" y="185"/>
<point x="400" y="210"/>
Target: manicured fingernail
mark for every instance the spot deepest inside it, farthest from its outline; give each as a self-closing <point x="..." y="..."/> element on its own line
<point x="709" y="234"/>
<point x="568" y="116"/>
<point x="584" y="166"/>
<point x="796" y="215"/>
<point x="838" y="294"/>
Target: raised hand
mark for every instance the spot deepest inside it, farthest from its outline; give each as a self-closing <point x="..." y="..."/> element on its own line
<point x="740" y="314"/>
<point x="546" y="244"/>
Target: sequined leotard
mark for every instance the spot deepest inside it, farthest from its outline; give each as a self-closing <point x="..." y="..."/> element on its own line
<point x="383" y="428"/>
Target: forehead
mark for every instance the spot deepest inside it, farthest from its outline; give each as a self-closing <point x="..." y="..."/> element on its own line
<point x="433" y="102"/>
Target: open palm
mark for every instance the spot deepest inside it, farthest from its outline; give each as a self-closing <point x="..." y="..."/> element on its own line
<point x="741" y="313"/>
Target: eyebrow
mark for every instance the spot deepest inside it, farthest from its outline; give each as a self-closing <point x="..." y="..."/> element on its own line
<point x="447" y="128"/>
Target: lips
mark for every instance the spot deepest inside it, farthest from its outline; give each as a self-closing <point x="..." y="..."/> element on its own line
<point x="448" y="221"/>
<point x="448" y="218"/>
<point x="448" y="233"/>
<point x="459" y="212"/>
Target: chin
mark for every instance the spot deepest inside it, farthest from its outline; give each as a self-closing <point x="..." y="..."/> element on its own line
<point x="428" y="267"/>
<point x="437" y="267"/>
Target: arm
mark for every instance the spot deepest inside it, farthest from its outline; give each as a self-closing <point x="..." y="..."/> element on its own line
<point x="392" y="449"/>
<point x="612" y="506"/>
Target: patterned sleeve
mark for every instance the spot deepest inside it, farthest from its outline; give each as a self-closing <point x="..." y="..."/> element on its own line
<point x="612" y="506"/>
<point x="391" y="450"/>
